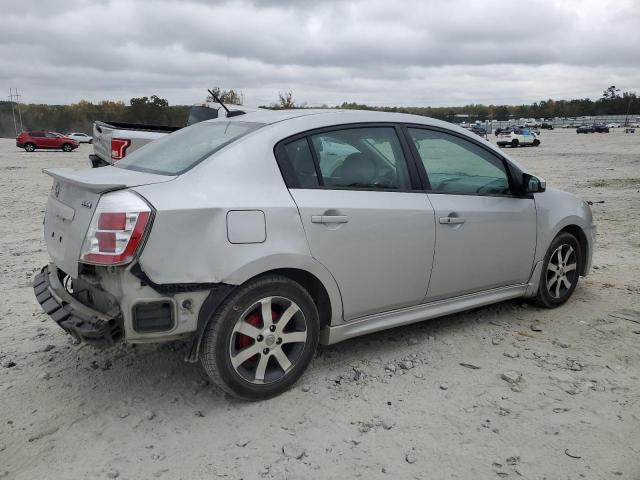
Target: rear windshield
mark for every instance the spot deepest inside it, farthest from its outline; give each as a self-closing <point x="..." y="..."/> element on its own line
<point x="181" y="150"/>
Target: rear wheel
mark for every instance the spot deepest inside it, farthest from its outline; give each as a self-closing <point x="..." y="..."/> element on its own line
<point x="536" y="142"/>
<point x="30" y="147"/>
<point x="514" y="143"/>
<point x="261" y="339"/>
<point x="560" y="271"/>
<point x="67" y="147"/>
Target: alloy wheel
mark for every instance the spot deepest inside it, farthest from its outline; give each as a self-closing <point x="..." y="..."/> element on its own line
<point x="561" y="271"/>
<point x="267" y="340"/>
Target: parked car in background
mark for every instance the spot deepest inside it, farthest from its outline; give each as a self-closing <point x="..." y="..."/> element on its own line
<point x="546" y="126"/>
<point x="478" y="130"/>
<point x="259" y="236"/>
<point x="32" y="140"/>
<point x="500" y="130"/>
<point x="80" y="137"/>
<point x="613" y="125"/>
<point x="600" y="128"/>
<point x="585" y="129"/>
<point x="518" y="137"/>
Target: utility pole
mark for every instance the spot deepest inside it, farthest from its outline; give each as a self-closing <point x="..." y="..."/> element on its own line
<point x="14" y="97"/>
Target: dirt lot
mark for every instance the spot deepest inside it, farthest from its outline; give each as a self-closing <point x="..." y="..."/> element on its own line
<point x="397" y="404"/>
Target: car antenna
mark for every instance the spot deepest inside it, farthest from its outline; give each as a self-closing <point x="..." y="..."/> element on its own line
<point x="230" y="113"/>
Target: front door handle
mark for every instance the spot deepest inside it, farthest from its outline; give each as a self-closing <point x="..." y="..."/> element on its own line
<point x="451" y="220"/>
<point x="329" y="219"/>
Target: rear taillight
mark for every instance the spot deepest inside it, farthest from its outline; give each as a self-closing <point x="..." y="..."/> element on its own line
<point x="119" y="148"/>
<point x="116" y="230"/>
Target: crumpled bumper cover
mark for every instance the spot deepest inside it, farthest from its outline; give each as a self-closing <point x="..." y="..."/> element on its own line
<point x="83" y="323"/>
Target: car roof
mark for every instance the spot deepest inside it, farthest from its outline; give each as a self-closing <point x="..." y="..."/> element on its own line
<point x="333" y="117"/>
<point x="291" y="122"/>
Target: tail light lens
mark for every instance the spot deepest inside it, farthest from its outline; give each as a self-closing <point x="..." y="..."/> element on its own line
<point x="119" y="148"/>
<point x="116" y="230"/>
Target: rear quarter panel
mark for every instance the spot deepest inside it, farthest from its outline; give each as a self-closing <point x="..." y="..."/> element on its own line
<point x="189" y="239"/>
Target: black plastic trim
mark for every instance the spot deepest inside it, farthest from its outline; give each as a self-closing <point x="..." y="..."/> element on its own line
<point x="168" y="288"/>
<point x="215" y="298"/>
<point x="86" y="328"/>
<point x="143" y="313"/>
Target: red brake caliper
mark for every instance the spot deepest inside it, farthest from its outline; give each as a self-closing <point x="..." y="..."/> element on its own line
<point x="254" y="319"/>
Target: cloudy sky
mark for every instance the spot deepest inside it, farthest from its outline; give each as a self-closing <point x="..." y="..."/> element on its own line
<point x="388" y="52"/>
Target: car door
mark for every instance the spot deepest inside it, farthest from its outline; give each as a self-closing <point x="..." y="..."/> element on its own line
<point x="365" y="217"/>
<point x="51" y="140"/>
<point x="35" y="137"/>
<point x="485" y="234"/>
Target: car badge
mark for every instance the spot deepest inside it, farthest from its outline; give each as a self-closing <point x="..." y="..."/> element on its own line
<point x="86" y="204"/>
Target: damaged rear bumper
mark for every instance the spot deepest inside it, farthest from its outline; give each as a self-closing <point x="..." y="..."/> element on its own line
<point x="78" y="320"/>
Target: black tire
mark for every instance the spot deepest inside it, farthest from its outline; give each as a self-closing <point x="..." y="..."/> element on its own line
<point x="30" y="147"/>
<point x="514" y="143"/>
<point x="552" y="293"/>
<point x="221" y="337"/>
<point x="536" y="142"/>
<point x="67" y="147"/>
<point x="91" y="141"/>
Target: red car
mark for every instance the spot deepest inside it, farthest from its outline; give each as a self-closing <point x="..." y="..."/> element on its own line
<point x="30" y="140"/>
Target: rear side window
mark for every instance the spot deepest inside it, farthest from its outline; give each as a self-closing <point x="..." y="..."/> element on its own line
<point x="457" y="166"/>
<point x="181" y="150"/>
<point x="301" y="163"/>
<point x="355" y="158"/>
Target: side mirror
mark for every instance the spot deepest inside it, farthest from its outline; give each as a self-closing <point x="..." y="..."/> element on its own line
<point x="533" y="184"/>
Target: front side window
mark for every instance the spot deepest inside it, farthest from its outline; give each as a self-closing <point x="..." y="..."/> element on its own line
<point x="456" y="165"/>
<point x="361" y="158"/>
<point x="179" y="151"/>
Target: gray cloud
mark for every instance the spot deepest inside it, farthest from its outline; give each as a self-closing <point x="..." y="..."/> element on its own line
<point x="379" y="52"/>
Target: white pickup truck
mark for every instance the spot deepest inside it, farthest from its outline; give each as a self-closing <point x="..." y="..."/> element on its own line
<point x="112" y="141"/>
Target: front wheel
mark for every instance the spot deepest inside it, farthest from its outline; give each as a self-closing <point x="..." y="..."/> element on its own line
<point x="261" y="339"/>
<point x="560" y="271"/>
<point x="514" y="143"/>
<point x="67" y="147"/>
<point x="30" y="147"/>
<point x="536" y="142"/>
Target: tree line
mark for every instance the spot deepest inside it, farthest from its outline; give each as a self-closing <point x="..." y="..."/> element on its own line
<point x="155" y="110"/>
<point x="79" y="117"/>
<point x="611" y="103"/>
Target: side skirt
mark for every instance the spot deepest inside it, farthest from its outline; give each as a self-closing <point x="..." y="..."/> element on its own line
<point x="418" y="313"/>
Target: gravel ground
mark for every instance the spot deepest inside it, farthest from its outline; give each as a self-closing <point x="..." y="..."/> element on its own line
<point x="506" y="391"/>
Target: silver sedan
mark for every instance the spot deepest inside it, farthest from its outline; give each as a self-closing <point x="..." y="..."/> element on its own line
<point x="258" y="236"/>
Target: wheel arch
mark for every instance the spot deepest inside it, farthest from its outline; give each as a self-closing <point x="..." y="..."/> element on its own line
<point x="314" y="278"/>
<point x="306" y="271"/>
<point x="311" y="284"/>
<point x="581" y="236"/>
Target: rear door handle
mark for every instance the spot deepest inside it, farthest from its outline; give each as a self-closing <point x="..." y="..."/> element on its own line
<point x="451" y="220"/>
<point x="329" y="219"/>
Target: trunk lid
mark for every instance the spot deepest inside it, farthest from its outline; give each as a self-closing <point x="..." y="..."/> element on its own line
<point x="72" y="202"/>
